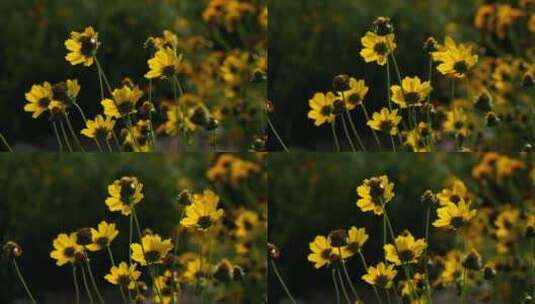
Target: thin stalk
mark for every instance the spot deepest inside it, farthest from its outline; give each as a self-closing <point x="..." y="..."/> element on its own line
<point x="58" y="138"/>
<point x="64" y="133"/>
<point x="363" y="260"/>
<point x="87" y="287"/>
<point x="93" y="282"/>
<point x="373" y="131"/>
<point x="344" y="291"/>
<point x="73" y="134"/>
<point x="76" y="287"/>
<point x="389" y="101"/>
<point x="393" y="143"/>
<point x="116" y="140"/>
<point x="348" y="136"/>
<point x="177" y="108"/>
<point x="109" y="146"/>
<point x="130" y="237"/>
<point x="387" y="293"/>
<point x="348" y="278"/>
<point x="463" y="288"/>
<point x="152" y="134"/>
<point x="21" y="278"/>
<point x="175" y="249"/>
<point x="277" y="273"/>
<point x="333" y="272"/>
<point x="452" y="81"/>
<point x="274" y="130"/>
<point x="352" y="125"/>
<point x="396" y="67"/>
<point x="4" y="141"/>
<point x="333" y="130"/>
<point x="426" y="259"/>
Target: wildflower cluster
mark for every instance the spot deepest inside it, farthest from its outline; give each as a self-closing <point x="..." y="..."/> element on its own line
<point x="195" y="87"/>
<point x="486" y="233"/>
<point x="212" y="254"/>
<point x="481" y="96"/>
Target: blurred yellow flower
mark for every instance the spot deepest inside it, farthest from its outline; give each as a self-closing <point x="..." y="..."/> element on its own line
<point x="124" y="101"/>
<point x="453" y="216"/>
<point x="356" y="237"/>
<point x="412" y="92"/>
<point x="202" y="213"/>
<point x="82" y="47"/>
<point x="322" y="108"/>
<point x="39" y="99"/>
<point x="356" y="93"/>
<point x="323" y="254"/>
<point x="99" y="128"/>
<point x="455" y="59"/>
<point x="164" y="64"/>
<point x="123" y="275"/>
<point x="457" y="122"/>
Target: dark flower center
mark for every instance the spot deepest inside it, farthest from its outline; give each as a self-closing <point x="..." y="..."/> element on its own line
<point x="354" y="99"/>
<point x="248" y="225"/>
<point x="377" y="189"/>
<point x="123" y="280"/>
<point x="406" y="255"/>
<point x="102" y="241"/>
<point x="326" y="254"/>
<point x="457" y="221"/>
<point x="204" y="222"/>
<point x="101" y="132"/>
<point x="412" y="97"/>
<point x="169" y="71"/>
<point x="326" y="110"/>
<point x="455" y="198"/>
<point x="125" y="107"/>
<point x="152" y="256"/>
<point x="458" y="125"/>
<point x="380" y="48"/>
<point x="386" y="126"/>
<point x="460" y="67"/>
<point x="89" y="46"/>
<point x="127" y="189"/>
<point x="59" y="91"/>
<point x="69" y="252"/>
<point x="44" y="102"/>
<point x="381" y="281"/>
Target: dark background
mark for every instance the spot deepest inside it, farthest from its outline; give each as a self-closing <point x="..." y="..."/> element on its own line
<point x="311" y="41"/>
<point x="314" y="193"/>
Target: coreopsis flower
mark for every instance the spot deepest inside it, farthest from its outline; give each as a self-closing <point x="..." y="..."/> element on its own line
<point x="123" y="103"/>
<point x="323" y="254"/>
<point x="164" y="64"/>
<point x="412" y="92"/>
<point x="381" y="276"/>
<point x="407" y="288"/>
<point x="152" y="249"/>
<point x="124" y="194"/>
<point x="167" y="40"/>
<point x="65" y="249"/>
<point x="102" y="237"/>
<point x="245" y="222"/>
<point x="231" y="170"/>
<point x="418" y="138"/>
<point x="374" y="193"/>
<point x="193" y="271"/>
<point x="455" y="59"/>
<point x="226" y="13"/>
<point x="356" y="237"/>
<point x="163" y="288"/>
<point x="99" y="128"/>
<point x="354" y="95"/>
<point x="457" y="122"/>
<point x="453" y="216"/>
<point x="39" y="98"/>
<point x="137" y="137"/>
<point x="453" y="268"/>
<point x="82" y="47"/>
<point x="385" y="121"/>
<point x="376" y="48"/>
<point x="456" y="193"/>
<point x="224" y="271"/>
<point x="123" y="275"/>
<point x="407" y="249"/>
<point x="66" y="91"/>
<point x="322" y="108"/>
<point x="177" y="121"/>
<point x="202" y="213"/>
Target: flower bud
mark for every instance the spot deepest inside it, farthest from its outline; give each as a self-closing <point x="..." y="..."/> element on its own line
<point x="273" y="251"/>
<point x="338" y="238"/>
<point x="483" y="102"/>
<point x="528" y="80"/>
<point x="184" y="198"/>
<point x="428" y="198"/>
<point x="341" y="83"/>
<point x="11" y="250"/>
<point x="472" y="261"/>
<point x="84" y="236"/>
<point x="431" y="45"/>
<point x="223" y="271"/>
<point x="383" y="26"/>
<point x="492" y="119"/>
<point x="489" y="272"/>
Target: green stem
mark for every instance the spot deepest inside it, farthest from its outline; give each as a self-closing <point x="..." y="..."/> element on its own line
<point x="4" y="141"/>
<point x="333" y="273"/>
<point x="348" y="136"/>
<point x="274" y="130"/>
<point x="354" y="129"/>
<point x="21" y="278"/>
<point x="393" y="143"/>
<point x="388" y="85"/>
<point x="333" y="130"/>
<point x="64" y="133"/>
<point x="112" y="261"/>
<point x="73" y="134"/>
<point x="344" y="291"/>
<point x="76" y="287"/>
<point x="277" y="273"/>
<point x="93" y="282"/>
<point x="58" y="138"/>
<point x="353" y="289"/>
<point x="87" y="286"/>
<point x="426" y="253"/>
<point x="109" y="146"/>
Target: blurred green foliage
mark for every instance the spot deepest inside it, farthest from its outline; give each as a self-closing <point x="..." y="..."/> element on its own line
<point x="314" y="193"/>
<point x="42" y="195"/>
<point x="32" y="49"/>
<point x="311" y="41"/>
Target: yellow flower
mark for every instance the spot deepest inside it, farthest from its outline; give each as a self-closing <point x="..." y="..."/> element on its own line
<point x="123" y="275"/>
<point x="124" y="194"/>
<point x="231" y="170"/>
<point x="455" y="194"/>
<point x="453" y="268"/>
<point x="377" y="48"/>
<point x="457" y="122"/>
<point x="453" y="216"/>
<point x="184" y="124"/>
<point x="322" y="108"/>
<point x="203" y="212"/>
<point x="163" y="289"/>
<point x="99" y="128"/>
<point x="374" y="193"/>
<point x="356" y="93"/>
<point x="123" y="103"/>
<point x="407" y="249"/>
<point x="141" y="132"/>
<point x="381" y="275"/>
<point x="385" y="121"/>
<point x="164" y="64"/>
<point x="412" y="92"/>
<point x="168" y="40"/>
<point x="193" y="271"/>
<point x="356" y="237"/>
<point x="152" y="249"/>
<point x="455" y="59"/>
<point x="82" y="47"/>
<point x="65" y="249"/>
<point x="419" y="138"/>
<point x="323" y="253"/>
<point x="102" y="237"/>
<point x="39" y="99"/>
<point x="531" y="24"/>
<point x="245" y="222"/>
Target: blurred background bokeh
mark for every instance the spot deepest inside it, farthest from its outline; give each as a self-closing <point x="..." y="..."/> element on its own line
<point x="315" y="193"/>
<point x="32" y="51"/>
<point x="321" y="39"/>
<point x="42" y="195"/>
